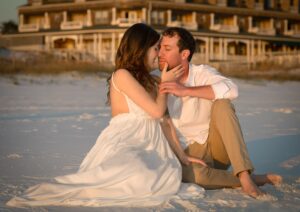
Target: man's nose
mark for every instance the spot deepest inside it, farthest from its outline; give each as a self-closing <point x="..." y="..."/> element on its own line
<point x="160" y="53"/>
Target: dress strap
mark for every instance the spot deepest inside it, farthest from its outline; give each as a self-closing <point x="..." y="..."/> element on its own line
<point x="113" y="83"/>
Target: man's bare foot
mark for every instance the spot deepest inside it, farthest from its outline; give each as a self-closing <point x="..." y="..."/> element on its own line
<point x="274" y="179"/>
<point x="248" y="186"/>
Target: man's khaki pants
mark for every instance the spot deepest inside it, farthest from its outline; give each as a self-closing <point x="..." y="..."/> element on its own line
<point x="225" y="146"/>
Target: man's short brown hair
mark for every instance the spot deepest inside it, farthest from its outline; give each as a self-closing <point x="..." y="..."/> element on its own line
<point x="186" y="39"/>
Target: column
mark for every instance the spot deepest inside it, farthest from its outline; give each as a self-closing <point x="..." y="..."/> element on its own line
<point x="285" y="25"/>
<point x="220" y="48"/>
<point x="47" y="21"/>
<point x="100" y="47"/>
<point x="206" y="50"/>
<point x="212" y="20"/>
<point x="21" y="21"/>
<point x="65" y="16"/>
<point x="252" y="51"/>
<point x="113" y="47"/>
<point x="144" y="16"/>
<point x="249" y="23"/>
<point x="47" y="43"/>
<point x="248" y="51"/>
<point x="149" y="13"/>
<point x="211" y="48"/>
<point x="114" y="15"/>
<point x="235" y="20"/>
<point x="194" y="17"/>
<point x="272" y="23"/>
<point x="95" y="44"/>
<point x="89" y="18"/>
<point x="80" y="42"/>
<point x="169" y="17"/>
<point x="225" y="49"/>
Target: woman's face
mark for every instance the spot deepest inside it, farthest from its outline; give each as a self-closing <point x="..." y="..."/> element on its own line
<point x="152" y="57"/>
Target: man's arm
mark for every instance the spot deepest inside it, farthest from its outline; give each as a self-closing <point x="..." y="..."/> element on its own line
<point x="205" y="91"/>
<point x="211" y="85"/>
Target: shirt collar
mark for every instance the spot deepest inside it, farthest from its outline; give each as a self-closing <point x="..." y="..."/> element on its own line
<point x="190" y="78"/>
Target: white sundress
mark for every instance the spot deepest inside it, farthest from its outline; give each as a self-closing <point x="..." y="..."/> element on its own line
<point x="131" y="164"/>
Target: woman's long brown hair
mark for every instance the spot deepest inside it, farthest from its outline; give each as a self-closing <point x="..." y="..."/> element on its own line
<point x="132" y="52"/>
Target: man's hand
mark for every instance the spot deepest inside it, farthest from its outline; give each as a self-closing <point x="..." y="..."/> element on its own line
<point x="173" y="87"/>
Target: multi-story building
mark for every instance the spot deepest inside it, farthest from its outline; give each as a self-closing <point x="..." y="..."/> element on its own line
<point x="225" y="30"/>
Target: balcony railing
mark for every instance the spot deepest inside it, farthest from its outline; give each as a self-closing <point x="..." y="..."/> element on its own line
<point x="190" y="26"/>
<point x="126" y="22"/>
<point x="225" y="28"/>
<point x="71" y="25"/>
<point x="29" y="28"/>
<point x="262" y="31"/>
<point x="294" y="33"/>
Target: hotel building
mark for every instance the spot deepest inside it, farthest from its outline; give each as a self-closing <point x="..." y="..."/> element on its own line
<point x="225" y="30"/>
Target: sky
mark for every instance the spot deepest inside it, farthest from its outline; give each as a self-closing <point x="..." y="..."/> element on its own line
<point x="8" y="9"/>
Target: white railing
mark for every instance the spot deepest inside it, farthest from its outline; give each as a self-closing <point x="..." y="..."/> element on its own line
<point x="71" y="25"/>
<point x="189" y="26"/>
<point x="261" y="31"/>
<point x="126" y="22"/>
<point x="224" y="28"/>
<point x="29" y="27"/>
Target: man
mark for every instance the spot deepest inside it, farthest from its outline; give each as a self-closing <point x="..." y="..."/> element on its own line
<point x="205" y="121"/>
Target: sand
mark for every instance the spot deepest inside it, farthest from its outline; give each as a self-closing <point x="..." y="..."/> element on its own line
<point x="48" y="124"/>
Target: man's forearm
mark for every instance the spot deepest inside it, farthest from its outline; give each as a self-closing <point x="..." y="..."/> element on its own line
<point x="205" y="92"/>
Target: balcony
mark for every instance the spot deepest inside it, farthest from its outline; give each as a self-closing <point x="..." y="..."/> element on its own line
<point x="293" y="33"/>
<point x="222" y="3"/>
<point x="258" y="6"/>
<point x="224" y="28"/>
<point x="262" y="31"/>
<point x="67" y="25"/>
<point x="293" y="9"/>
<point x="29" y="28"/>
<point x="189" y="26"/>
<point x="126" y="22"/>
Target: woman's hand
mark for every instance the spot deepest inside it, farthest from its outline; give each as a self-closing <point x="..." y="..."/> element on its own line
<point x="171" y="75"/>
<point x="196" y="160"/>
<point x="186" y="160"/>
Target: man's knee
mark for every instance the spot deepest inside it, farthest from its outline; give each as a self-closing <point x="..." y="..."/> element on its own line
<point x="222" y="107"/>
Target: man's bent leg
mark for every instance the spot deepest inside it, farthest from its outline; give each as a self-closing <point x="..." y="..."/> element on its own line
<point x="207" y="177"/>
<point x="225" y="137"/>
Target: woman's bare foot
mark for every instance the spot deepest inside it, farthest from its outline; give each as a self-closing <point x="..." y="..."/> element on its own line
<point x="248" y="186"/>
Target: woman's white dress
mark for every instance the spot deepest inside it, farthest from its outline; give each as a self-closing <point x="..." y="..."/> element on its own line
<point x="131" y="163"/>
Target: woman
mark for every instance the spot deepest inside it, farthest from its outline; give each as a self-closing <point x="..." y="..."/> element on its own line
<point x="131" y="162"/>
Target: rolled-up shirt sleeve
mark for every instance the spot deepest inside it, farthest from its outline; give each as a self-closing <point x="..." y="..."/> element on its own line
<point x="223" y="87"/>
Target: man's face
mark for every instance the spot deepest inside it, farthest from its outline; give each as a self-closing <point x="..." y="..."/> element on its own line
<point x="169" y="52"/>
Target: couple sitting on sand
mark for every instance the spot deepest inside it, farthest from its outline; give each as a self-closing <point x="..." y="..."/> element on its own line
<point x="145" y="153"/>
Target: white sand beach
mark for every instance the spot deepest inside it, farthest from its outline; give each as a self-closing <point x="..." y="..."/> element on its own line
<point x="49" y="123"/>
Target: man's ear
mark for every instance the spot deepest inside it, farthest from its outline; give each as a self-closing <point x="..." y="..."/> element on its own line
<point x="185" y="54"/>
